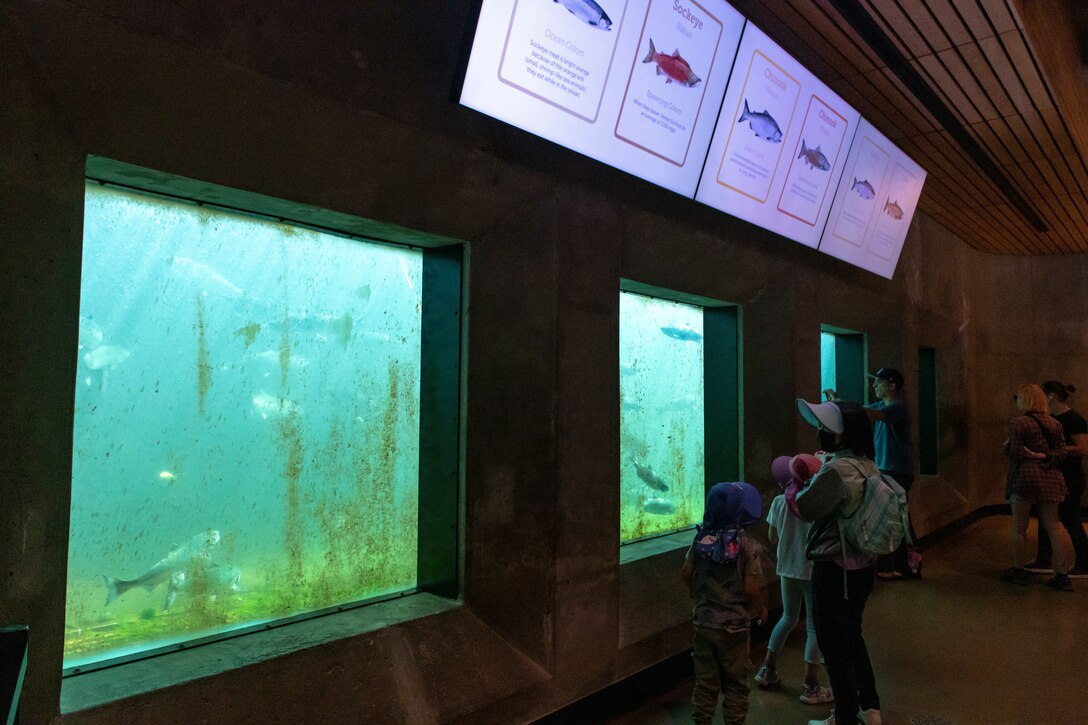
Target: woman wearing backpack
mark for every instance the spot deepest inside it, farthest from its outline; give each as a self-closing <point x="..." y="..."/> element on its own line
<point x="842" y="577"/>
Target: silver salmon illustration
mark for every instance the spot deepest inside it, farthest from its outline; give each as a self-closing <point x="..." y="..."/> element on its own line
<point x="179" y="557"/>
<point x="673" y="66"/>
<point x="863" y="188"/>
<point x="659" y="506"/>
<point x="762" y="124"/>
<point x="814" y="157"/>
<point x="892" y="209"/>
<point x="588" y="12"/>
<point x="650" y="478"/>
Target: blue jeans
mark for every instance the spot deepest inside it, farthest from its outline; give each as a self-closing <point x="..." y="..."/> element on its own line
<point x="793" y="592"/>
<point x="838" y="629"/>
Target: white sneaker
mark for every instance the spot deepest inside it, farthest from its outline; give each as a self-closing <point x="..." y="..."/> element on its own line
<point x="869" y="717"/>
<point x="829" y="721"/>
<point x="816" y="695"/>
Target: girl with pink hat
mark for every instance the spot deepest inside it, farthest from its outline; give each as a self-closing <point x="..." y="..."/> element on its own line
<point x="795" y="573"/>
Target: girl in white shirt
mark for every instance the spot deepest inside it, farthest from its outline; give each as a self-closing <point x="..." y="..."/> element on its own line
<point x="795" y="572"/>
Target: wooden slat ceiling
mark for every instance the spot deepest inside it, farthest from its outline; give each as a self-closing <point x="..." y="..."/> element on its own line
<point x="1008" y="71"/>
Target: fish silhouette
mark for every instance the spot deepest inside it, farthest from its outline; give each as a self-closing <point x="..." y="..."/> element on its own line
<point x="814" y="157"/>
<point x="762" y="124"/>
<point x="863" y="188"/>
<point x="588" y="11"/>
<point x="673" y="66"/>
<point x="892" y="209"/>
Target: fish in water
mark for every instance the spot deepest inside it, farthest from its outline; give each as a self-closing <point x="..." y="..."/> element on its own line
<point x="814" y="157"/>
<point x="863" y="188"/>
<point x="650" y="477"/>
<point x="105" y="356"/>
<point x="206" y="277"/>
<point x="687" y="334"/>
<point x="673" y="66"/>
<point x="210" y="581"/>
<point x="762" y="124"/>
<point x="90" y="334"/>
<point x="892" y="209"/>
<point x="199" y="546"/>
<point x="588" y="12"/>
<point x="659" y="506"/>
<point x="271" y="406"/>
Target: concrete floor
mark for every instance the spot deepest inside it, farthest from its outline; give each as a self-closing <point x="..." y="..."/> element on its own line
<point x="956" y="647"/>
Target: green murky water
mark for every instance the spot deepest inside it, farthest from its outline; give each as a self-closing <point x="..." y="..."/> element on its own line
<point x="661" y="416"/>
<point x="246" y="432"/>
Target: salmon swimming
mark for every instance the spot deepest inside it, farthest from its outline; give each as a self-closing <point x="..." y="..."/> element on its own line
<point x="762" y="124"/>
<point x="659" y="506"/>
<point x="863" y="188"/>
<point x="685" y="333"/>
<point x="673" y="66"/>
<point x="178" y="559"/>
<point x="650" y="477"/>
<point x="814" y="157"/>
<point x="589" y="12"/>
<point x="210" y="581"/>
<point x="892" y="209"/>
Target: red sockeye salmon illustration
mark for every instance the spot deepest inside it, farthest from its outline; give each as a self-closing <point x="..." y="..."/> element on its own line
<point x="673" y="66"/>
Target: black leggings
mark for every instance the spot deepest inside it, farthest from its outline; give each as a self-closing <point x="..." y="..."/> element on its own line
<point x="838" y="631"/>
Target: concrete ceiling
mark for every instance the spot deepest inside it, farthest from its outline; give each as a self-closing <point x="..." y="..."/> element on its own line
<point x="989" y="96"/>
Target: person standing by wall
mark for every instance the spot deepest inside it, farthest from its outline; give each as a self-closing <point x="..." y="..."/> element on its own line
<point x="725" y="584"/>
<point x="842" y="577"/>
<point x="1035" y="448"/>
<point x="1069" y="511"/>
<point x="891" y="420"/>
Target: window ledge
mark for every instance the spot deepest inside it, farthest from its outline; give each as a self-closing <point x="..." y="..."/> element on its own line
<point x="657" y="545"/>
<point x="98" y="687"/>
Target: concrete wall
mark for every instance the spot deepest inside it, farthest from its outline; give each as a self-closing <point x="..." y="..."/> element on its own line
<point x="346" y="106"/>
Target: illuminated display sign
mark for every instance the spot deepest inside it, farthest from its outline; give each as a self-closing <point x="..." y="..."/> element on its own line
<point x="639" y="85"/>
<point x="875" y="202"/>
<point x="633" y="83"/>
<point x="780" y="143"/>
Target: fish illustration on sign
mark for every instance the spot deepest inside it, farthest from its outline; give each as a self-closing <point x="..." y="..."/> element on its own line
<point x="673" y="66"/>
<point x="814" y="157"/>
<point x="762" y="124"/>
<point x="179" y="557"/>
<point x="650" y="477"/>
<point x="588" y="12"/>
<point x="892" y="209"/>
<point x="684" y="333"/>
<point x="659" y="506"/>
<point x="863" y="188"/>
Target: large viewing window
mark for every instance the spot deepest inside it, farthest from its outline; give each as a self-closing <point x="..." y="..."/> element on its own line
<point x="679" y="409"/>
<point x="255" y="415"/>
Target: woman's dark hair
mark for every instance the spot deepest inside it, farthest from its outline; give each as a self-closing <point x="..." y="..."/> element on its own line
<point x="857" y="433"/>
<point x="1058" y="390"/>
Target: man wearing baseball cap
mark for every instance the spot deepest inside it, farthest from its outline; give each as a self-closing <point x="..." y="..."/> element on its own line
<point x="892" y="440"/>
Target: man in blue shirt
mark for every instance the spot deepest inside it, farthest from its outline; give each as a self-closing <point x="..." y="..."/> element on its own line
<point x="891" y="421"/>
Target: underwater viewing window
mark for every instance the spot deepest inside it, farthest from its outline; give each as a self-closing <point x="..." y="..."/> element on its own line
<point x="260" y="408"/>
<point x="842" y="363"/>
<point x="679" y="408"/>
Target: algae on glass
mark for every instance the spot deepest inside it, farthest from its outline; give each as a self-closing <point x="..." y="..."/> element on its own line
<point x="661" y="416"/>
<point x="246" y="428"/>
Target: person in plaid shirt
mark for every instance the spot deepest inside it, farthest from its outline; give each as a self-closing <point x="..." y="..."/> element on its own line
<point x="1035" y="447"/>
